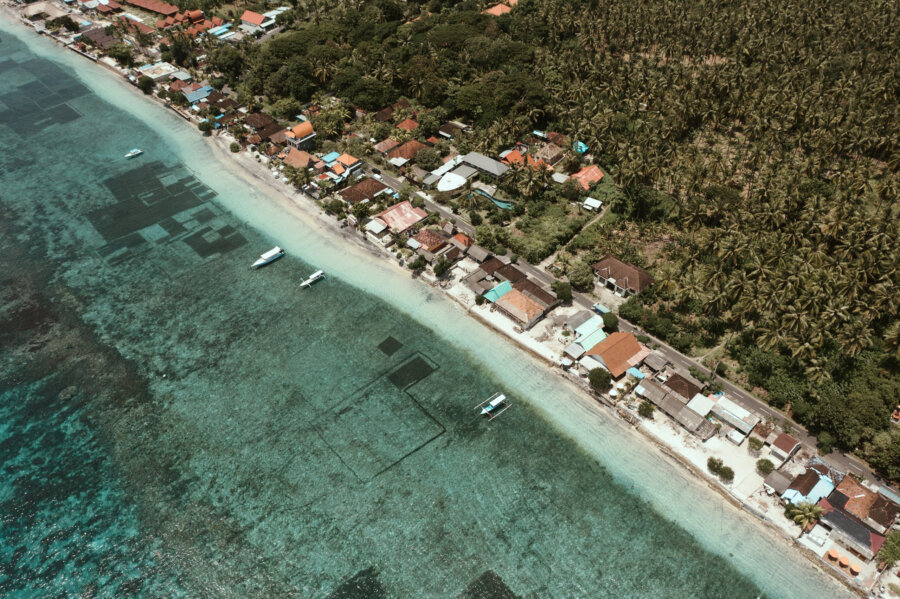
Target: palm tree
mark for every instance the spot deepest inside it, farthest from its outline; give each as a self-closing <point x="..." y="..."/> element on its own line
<point x="805" y="514"/>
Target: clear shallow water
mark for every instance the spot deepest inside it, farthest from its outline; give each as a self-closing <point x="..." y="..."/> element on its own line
<point x="174" y="425"/>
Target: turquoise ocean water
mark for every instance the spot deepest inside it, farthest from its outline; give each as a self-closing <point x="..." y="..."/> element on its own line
<point x="174" y="425"/>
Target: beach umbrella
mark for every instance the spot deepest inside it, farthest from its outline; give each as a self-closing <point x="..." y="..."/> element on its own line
<point x="833" y="554"/>
<point x="856" y="568"/>
<point x="844" y="561"/>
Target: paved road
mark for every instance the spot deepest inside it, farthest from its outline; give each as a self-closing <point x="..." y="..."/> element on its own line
<point x="682" y="363"/>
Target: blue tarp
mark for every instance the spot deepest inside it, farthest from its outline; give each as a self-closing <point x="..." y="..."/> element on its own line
<point x="580" y="147"/>
<point x="499" y="291"/>
<point x="636" y="373"/>
<point x="194" y="97"/>
<point x="332" y="157"/>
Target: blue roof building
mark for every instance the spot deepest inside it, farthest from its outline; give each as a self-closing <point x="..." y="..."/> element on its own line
<point x="200" y="94"/>
<point x="811" y="486"/>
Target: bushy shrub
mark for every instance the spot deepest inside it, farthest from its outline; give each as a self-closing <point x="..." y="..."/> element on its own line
<point x="646" y="409"/>
<point x="765" y="467"/>
<point x="600" y="379"/>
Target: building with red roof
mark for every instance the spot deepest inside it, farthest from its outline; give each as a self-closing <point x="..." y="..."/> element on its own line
<point x="588" y="175"/>
<point x="156" y="6"/>
<point x="408" y="125"/>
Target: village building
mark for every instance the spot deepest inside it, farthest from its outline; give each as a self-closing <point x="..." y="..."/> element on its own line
<point x="873" y="509"/>
<point x="386" y="114"/>
<point x="401" y="217"/>
<point x="154" y="6"/>
<point x="364" y="191"/>
<point x="811" y="486"/>
<point x="549" y="153"/>
<point x="450" y="130"/>
<point x="408" y="125"/>
<point x="301" y="136"/>
<point x="621" y="277"/>
<point x="783" y="447"/>
<point x="588" y="176"/>
<point x="297" y="158"/>
<point x="385" y="146"/>
<point x="402" y="154"/>
<point x="251" y="22"/>
<point x="485" y="165"/>
<point x="682" y="387"/>
<point x="673" y="407"/>
<point x="619" y="352"/>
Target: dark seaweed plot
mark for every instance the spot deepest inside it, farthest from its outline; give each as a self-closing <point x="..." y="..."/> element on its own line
<point x="33" y="107"/>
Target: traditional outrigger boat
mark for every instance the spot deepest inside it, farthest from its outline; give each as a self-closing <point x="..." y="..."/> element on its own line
<point x="271" y="256"/>
<point x="493" y="406"/>
<point x="319" y="274"/>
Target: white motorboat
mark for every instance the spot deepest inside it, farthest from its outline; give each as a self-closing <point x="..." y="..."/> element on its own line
<point x="134" y="152"/>
<point x="271" y="256"/>
<point x="493" y="406"/>
<point x="319" y="274"/>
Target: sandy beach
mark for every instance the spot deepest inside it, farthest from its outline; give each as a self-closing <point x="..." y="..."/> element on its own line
<point x="303" y="228"/>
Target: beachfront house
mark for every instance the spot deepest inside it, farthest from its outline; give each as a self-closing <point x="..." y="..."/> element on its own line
<point x="811" y="486"/>
<point x="301" y="136"/>
<point x="783" y="447"/>
<point x="672" y="406"/>
<point x="619" y="352"/>
<point x="622" y="278"/>
<point x="364" y="191"/>
<point x="401" y="217"/>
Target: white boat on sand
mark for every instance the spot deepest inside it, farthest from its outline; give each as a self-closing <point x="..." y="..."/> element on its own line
<point x="271" y="256"/>
<point x="319" y="274"/>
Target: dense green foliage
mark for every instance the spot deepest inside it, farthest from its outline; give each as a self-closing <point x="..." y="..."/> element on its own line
<point x="562" y="290"/>
<point x="645" y="409"/>
<point x="758" y="140"/>
<point x="600" y="379"/>
<point x="765" y="466"/>
<point x="890" y="551"/>
<point x="145" y="84"/>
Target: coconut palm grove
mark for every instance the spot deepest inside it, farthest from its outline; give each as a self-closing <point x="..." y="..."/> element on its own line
<point x="753" y="146"/>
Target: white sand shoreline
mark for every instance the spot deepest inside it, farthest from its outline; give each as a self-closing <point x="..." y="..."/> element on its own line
<point x="584" y="410"/>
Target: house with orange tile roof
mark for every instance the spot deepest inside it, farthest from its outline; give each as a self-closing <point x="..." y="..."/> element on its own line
<point x="407" y="125"/>
<point x="155" y="6"/>
<point x="252" y="22"/>
<point x="350" y="163"/>
<point x="430" y="240"/>
<point x="515" y="157"/>
<point x="406" y="152"/>
<point x="301" y="136"/>
<point x="385" y="146"/>
<point x="873" y="509"/>
<point x="401" y="217"/>
<point x="518" y="306"/>
<point x="296" y="158"/>
<point x="588" y="176"/>
<point x="497" y="10"/>
<point x="619" y="352"/>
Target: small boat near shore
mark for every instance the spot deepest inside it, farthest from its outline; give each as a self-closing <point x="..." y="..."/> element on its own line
<point x="493" y="406"/>
<point x="271" y="256"/>
<point x="134" y="152"/>
<point x="316" y="276"/>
